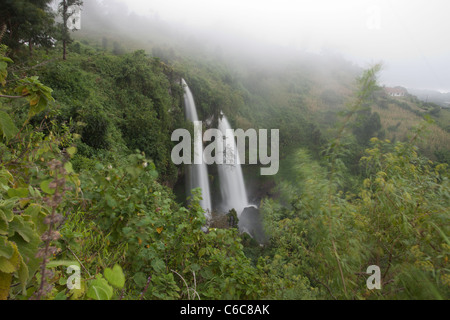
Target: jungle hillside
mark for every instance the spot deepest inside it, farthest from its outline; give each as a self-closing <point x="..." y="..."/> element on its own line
<point x="92" y="206"/>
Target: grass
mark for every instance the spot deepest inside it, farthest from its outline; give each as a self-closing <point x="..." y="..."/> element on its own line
<point x="399" y="122"/>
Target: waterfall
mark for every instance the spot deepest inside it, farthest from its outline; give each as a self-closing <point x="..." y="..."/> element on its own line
<point x="196" y="174"/>
<point x="232" y="187"/>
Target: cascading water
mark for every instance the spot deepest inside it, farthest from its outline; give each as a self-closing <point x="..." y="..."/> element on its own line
<point x="232" y="187"/>
<point x="197" y="174"/>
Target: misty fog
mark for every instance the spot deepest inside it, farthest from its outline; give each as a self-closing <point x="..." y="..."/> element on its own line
<point x="408" y="37"/>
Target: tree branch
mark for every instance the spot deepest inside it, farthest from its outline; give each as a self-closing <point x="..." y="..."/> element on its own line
<point x="13" y="97"/>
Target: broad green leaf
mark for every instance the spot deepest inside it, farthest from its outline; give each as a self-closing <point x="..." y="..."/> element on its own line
<point x="195" y="267"/>
<point x="33" y="210"/>
<point x="5" y="178"/>
<point x="7" y="266"/>
<point x="19" y="192"/>
<point x="6" y="248"/>
<point x="45" y="186"/>
<point x="7" y="59"/>
<point x="3" y="227"/>
<point x="110" y="201"/>
<point x="23" y="228"/>
<point x="60" y="296"/>
<point x="12" y="264"/>
<point x="23" y="274"/>
<point x="7" y="127"/>
<point x="69" y="168"/>
<point x="34" y="192"/>
<point x="6" y="214"/>
<point x="37" y="215"/>
<point x="7" y="206"/>
<point x="5" y="284"/>
<point x="76" y="294"/>
<point x="140" y="279"/>
<point x="115" y="276"/>
<point x="37" y="107"/>
<point x="28" y="251"/>
<point x="34" y="100"/>
<point x="3" y="216"/>
<point x="98" y="292"/>
<point x="99" y="289"/>
<point x="71" y="151"/>
<point x="158" y="265"/>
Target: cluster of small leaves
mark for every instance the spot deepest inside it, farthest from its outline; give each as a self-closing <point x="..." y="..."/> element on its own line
<point x="163" y="239"/>
<point x="406" y="200"/>
<point x="29" y="170"/>
<point x="19" y="237"/>
<point x="38" y="95"/>
<point x="30" y="88"/>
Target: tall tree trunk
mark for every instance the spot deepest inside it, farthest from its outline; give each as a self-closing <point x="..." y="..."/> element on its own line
<point x="64" y="49"/>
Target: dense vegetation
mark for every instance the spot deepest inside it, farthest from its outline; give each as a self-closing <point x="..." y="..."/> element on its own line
<point x="86" y="178"/>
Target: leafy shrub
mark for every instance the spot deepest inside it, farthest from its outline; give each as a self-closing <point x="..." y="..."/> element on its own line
<point x="396" y="218"/>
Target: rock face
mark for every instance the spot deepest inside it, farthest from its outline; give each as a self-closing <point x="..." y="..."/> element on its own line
<point x="250" y="222"/>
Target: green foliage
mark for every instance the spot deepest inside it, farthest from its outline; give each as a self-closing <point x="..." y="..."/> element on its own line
<point x="23" y="212"/>
<point x="161" y="237"/>
<point x="397" y="221"/>
<point x="107" y="207"/>
<point x="7" y="127"/>
<point x="395" y="218"/>
<point x="27" y="20"/>
<point x="232" y="219"/>
<point x="95" y="130"/>
<point x="26" y="179"/>
<point x="23" y="209"/>
<point x="36" y="94"/>
<point x="443" y="156"/>
<point x="115" y="276"/>
<point x="367" y="126"/>
<point x="117" y="211"/>
<point x="30" y="88"/>
<point x="19" y="238"/>
<point x="119" y="103"/>
<point x="4" y="64"/>
<point x="102" y="288"/>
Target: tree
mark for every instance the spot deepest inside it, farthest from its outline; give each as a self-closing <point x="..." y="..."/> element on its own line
<point x="26" y="21"/>
<point x="67" y="10"/>
<point x="366" y="126"/>
<point x="41" y="33"/>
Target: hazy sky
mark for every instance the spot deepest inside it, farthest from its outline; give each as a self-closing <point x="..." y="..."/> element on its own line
<point x="410" y="37"/>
